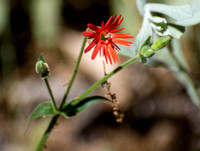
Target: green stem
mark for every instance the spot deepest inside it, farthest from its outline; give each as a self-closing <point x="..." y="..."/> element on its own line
<point x="55" y="118"/>
<point x="74" y="73"/>
<point x="50" y="94"/>
<point x="106" y="77"/>
<point x="47" y="132"/>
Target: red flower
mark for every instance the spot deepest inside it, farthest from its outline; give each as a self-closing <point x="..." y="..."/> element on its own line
<point x="105" y="39"/>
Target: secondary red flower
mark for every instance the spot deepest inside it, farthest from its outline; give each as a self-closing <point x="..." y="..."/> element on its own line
<point x="105" y="39"/>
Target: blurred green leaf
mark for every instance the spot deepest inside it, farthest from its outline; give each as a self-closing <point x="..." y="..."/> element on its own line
<point x="175" y="12"/>
<point x="140" y="6"/>
<point x="45" y="19"/>
<point x="75" y="107"/>
<point x="183" y="15"/>
<point x="195" y="19"/>
<point x="4" y="15"/>
<point x="44" y="109"/>
<point x="186" y="80"/>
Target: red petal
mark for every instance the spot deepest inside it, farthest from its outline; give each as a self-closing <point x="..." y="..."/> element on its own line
<point x="108" y="22"/>
<point x="91" y="45"/>
<point x="119" y="23"/>
<point x="102" y="24"/>
<point x="114" y="17"/>
<point x="121" y="35"/>
<point x="89" y="34"/>
<point x="121" y="42"/>
<point x="115" y="46"/>
<point x="115" y="23"/>
<point x="93" y="27"/>
<point x="100" y="52"/>
<point x="113" y="31"/>
<point x="96" y="50"/>
<point x="113" y="53"/>
<point x="103" y="52"/>
<point x="107" y="55"/>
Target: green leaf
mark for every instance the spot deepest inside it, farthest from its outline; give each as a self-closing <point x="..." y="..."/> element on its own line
<point x="44" y="109"/>
<point x="75" y="107"/>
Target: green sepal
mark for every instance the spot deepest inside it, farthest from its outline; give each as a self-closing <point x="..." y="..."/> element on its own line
<point x="44" y="109"/>
<point x="45" y="76"/>
<point x="41" y="58"/>
<point x="147" y="42"/>
<point x="76" y="106"/>
<point x="145" y="50"/>
<point x="143" y="59"/>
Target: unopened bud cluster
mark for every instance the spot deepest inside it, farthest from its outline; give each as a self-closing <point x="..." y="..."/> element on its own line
<point x="42" y="67"/>
<point x="148" y="50"/>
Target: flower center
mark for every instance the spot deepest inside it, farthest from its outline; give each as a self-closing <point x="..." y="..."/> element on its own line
<point x="105" y="35"/>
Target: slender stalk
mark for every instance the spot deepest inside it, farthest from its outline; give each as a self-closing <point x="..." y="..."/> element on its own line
<point x="47" y="132"/>
<point x="107" y="76"/>
<point x="74" y="73"/>
<point x="50" y="94"/>
<point x="55" y="118"/>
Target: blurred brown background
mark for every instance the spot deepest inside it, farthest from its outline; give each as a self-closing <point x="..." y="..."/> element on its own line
<point x="159" y="115"/>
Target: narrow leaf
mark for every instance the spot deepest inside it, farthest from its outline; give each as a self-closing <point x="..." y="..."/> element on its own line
<point x="75" y="107"/>
<point x="44" y="109"/>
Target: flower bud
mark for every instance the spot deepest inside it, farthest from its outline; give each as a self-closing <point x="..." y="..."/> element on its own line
<point x="160" y="43"/>
<point x="42" y="67"/>
<point x="146" y="51"/>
